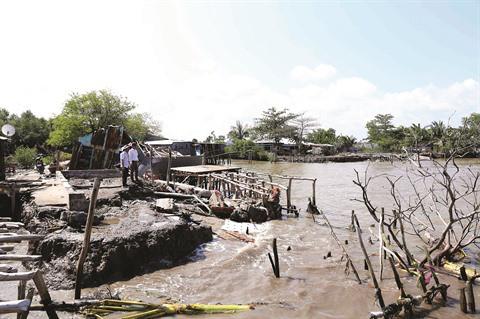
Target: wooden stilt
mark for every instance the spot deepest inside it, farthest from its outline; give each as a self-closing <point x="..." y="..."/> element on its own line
<point x="86" y="240"/>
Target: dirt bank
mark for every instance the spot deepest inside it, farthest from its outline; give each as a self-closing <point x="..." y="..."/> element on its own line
<point x="132" y="240"/>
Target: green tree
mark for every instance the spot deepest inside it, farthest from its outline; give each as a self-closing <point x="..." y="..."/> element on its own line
<point x="242" y="148"/>
<point x="29" y="130"/>
<point x="85" y="113"/>
<point x="344" y="142"/>
<point x="213" y="138"/>
<point x="382" y="132"/>
<point x="239" y="131"/>
<point x="275" y="124"/>
<point x="141" y="125"/>
<point x="25" y="156"/>
<point x="438" y="133"/>
<point x="322" y="136"/>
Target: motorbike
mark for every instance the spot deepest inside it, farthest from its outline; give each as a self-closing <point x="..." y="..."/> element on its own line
<point x="39" y="165"/>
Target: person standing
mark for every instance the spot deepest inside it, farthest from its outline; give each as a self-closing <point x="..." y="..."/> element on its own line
<point x="133" y="157"/>
<point x="124" y="164"/>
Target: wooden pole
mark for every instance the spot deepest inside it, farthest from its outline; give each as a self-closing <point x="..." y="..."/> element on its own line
<point x="381" y="252"/>
<point x="275" y="256"/>
<point x="463" y="300"/>
<point x="289" y="193"/>
<point x="45" y="298"/>
<point x="86" y="240"/>
<point x="169" y="166"/>
<point x="378" y="291"/>
<point x="314" y="200"/>
<point x="470" y="295"/>
<point x="24" y="314"/>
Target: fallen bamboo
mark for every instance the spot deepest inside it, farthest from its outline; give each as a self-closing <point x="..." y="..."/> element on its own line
<point x="378" y="291"/>
<point x="86" y="240"/>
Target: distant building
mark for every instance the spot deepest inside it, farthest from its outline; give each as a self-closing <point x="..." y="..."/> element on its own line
<point x="285" y="147"/>
<point x="320" y="149"/>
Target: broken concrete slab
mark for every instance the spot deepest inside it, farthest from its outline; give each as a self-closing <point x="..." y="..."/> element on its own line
<point x="165" y="205"/>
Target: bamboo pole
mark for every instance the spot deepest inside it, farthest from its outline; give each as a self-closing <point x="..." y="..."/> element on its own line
<point x="86" y="240"/>
<point x="378" y="291"/>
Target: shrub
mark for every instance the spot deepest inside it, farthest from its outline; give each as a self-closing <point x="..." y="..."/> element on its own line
<point x="25" y="156"/>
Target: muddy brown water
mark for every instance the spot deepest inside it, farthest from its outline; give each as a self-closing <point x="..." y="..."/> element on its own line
<point x="310" y="286"/>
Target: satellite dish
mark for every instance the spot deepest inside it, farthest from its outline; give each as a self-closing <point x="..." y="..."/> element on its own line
<point x="8" y="130"/>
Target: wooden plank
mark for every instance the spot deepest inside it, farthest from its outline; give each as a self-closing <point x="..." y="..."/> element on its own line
<point x="92" y="173"/>
<point x="7" y="268"/>
<point x="14" y="306"/>
<point x="18" y="238"/>
<point x="26" y="275"/>
<point x="5" y="219"/>
<point x="204" y="169"/>
<point x="19" y="257"/>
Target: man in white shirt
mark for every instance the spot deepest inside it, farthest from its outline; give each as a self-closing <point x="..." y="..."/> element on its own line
<point x="133" y="157"/>
<point x="124" y="164"/>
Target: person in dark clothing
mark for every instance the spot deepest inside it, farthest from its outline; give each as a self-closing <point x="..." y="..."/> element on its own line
<point x="124" y="164"/>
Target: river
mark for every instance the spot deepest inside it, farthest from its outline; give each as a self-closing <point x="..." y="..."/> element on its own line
<point x="310" y="286"/>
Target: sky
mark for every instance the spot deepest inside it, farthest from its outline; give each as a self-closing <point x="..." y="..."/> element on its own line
<point x="199" y="66"/>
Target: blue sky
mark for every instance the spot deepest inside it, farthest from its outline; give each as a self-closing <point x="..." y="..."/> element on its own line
<point x="206" y="64"/>
<point x="398" y="44"/>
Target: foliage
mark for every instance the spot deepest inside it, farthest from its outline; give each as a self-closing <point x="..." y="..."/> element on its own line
<point x="344" y="143"/>
<point x="213" y="138"/>
<point x="242" y="148"/>
<point x="322" y="136"/>
<point x="303" y="126"/>
<point x="239" y="131"/>
<point x="383" y="133"/>
<point x="30" y="130"/>
<point x="85" y="113"/>
<point x="275" y="124"/>
<point x="25" y="156"/>
<point x="141" y="125"/>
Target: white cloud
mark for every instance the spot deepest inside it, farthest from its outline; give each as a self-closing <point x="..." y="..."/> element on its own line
<point x="151" y="55"/>
<point x="321" y="72"/>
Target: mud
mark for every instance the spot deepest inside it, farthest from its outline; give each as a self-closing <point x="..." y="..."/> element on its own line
<point x="132" y="240"/>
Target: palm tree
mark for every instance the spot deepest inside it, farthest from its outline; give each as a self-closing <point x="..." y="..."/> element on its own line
<point x="438" y="132"/>
<point x="239" y="131"/>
